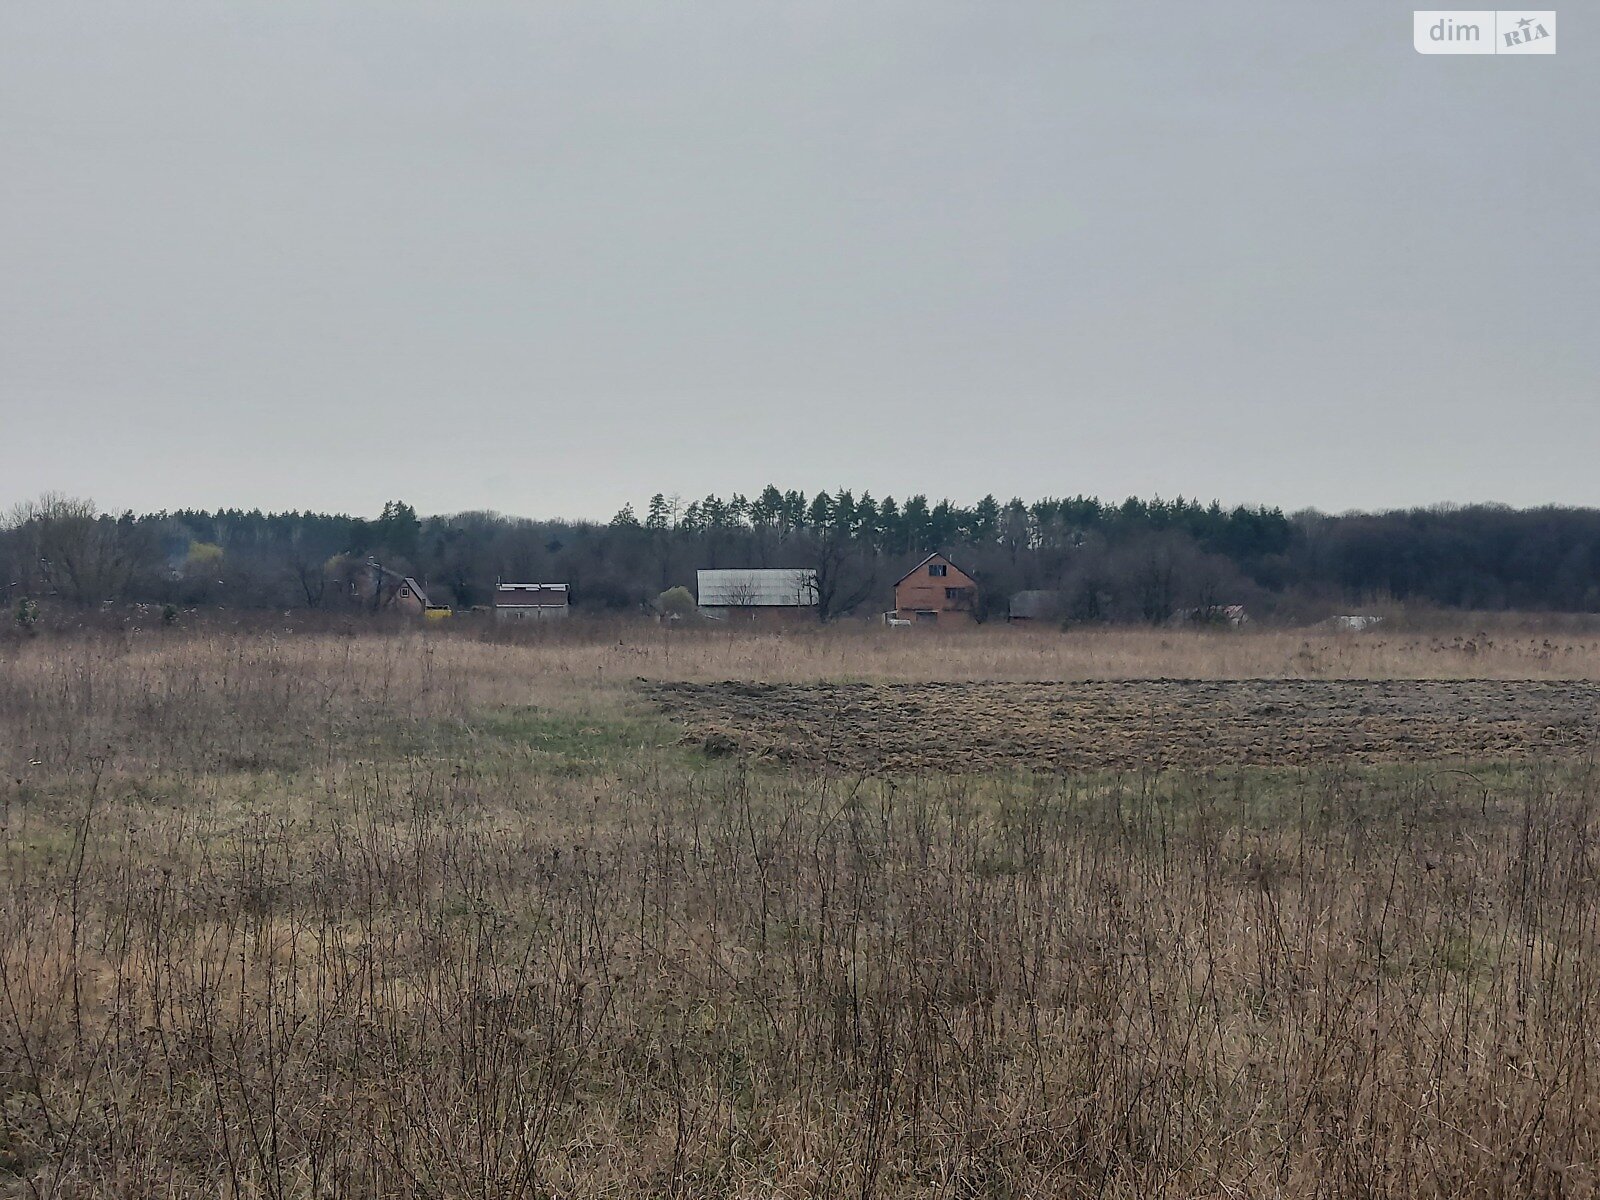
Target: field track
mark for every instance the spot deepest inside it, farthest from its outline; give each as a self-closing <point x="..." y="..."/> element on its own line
<point x="974" y="727"/>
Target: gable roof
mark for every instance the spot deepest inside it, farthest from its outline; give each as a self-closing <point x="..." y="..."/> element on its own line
<point x="925" y="562"/>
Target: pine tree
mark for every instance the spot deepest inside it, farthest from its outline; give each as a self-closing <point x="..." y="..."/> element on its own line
<point x="820" y="513"/>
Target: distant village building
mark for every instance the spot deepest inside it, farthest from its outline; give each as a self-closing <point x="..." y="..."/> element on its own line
<point x="1036" y="606"/>
<point x="410" y="598"/>
<point x="936" y="592"/>
<point x="766" y="596"/>
<point x="1231" y="615"/>
<point x="1355" y="623"/>
<point x="387" y="590"/>
<point x="530" y="601"/>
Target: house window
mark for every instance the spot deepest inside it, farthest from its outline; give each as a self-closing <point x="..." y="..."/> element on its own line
<point x="924" y="614"/>
<point x="954" y="593"/>
<point x="937" y="570"/>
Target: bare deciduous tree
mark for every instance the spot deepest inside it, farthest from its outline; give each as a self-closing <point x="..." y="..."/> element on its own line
<point x="77" y="552"/>
<point x="845" y="576"/>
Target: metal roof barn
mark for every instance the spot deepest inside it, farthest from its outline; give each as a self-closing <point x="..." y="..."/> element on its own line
<point x="778" y="587"/>
<point x="1035" y="605"/>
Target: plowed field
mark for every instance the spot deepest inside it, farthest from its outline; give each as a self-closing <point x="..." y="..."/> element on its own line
<point x="1086" y="726"/>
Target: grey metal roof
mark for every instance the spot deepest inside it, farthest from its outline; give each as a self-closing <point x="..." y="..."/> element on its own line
<point x="744" y="587"/>
<point x="530" y="595"/>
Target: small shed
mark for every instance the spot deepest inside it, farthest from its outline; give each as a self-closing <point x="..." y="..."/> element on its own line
<point x="1036" y="605"/>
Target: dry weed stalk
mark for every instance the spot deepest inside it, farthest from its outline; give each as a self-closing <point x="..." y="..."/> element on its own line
<point x="279" y="918"/>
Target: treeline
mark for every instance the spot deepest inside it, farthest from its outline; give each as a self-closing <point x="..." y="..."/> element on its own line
<point x="1138" y="560"/>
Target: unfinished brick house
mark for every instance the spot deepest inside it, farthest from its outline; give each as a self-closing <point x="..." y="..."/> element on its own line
<point x="936" y="592"/>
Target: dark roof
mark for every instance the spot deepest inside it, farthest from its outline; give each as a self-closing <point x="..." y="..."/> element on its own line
<point x="928" y="559"/>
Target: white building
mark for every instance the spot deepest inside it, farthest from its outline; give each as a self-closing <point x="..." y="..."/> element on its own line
<point x="758" y="594"/>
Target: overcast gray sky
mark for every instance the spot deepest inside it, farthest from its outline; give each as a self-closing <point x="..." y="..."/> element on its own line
<point x="547" y="258"/>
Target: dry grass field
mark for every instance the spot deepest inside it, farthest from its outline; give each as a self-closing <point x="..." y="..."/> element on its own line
<point x="311" y="915"/>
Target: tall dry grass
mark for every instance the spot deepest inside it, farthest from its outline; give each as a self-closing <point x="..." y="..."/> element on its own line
<point x="1014" y="653"/>
<point x="401" y="917"/>
<point x="402" y="667"/>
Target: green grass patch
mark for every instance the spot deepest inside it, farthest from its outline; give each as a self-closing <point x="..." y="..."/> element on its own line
<point x="576" y="741"/>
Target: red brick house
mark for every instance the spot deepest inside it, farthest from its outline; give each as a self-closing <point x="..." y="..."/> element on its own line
<point x="936" y="592"/>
